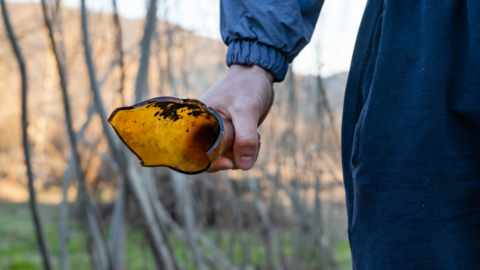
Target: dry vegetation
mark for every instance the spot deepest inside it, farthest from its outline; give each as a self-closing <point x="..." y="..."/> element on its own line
<point x="292" y="198"/>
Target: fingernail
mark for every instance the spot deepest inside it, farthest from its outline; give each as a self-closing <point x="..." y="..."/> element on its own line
<point x="245" y="162"/>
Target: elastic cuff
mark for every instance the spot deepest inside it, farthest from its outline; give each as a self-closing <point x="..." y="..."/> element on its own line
<point x="249" y="52"/>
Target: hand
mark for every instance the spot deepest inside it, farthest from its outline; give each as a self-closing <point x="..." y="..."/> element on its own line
<point x="243" y="98"/>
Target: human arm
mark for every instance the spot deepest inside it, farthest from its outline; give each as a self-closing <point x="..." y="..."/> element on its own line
<point x="263" y="37"/>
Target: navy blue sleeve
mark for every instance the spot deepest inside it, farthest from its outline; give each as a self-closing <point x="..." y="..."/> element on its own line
<point x="267" y="33"/>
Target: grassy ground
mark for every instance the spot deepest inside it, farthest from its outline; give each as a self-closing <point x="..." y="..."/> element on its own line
<point x="18" y="247"/>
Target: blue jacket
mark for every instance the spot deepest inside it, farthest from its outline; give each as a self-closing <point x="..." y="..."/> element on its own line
<point x="411" y="121"/>
<point x="267" y="33"/>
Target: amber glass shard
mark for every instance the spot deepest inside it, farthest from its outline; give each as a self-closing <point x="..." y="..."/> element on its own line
<point x="182" y="134"/>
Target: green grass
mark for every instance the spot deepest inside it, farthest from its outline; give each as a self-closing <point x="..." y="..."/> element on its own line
<point x="342" y="255"/>
<point x="19" y="250"/>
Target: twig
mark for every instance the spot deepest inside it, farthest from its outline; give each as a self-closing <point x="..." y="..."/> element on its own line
<point x="104" y="156"/>
<point x="93" y="220"/>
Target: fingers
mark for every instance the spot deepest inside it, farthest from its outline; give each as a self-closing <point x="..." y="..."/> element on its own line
<point x="245" y="147"/>
<point x="222" y="164"/>
<point x="229" y="134"/>
<point x="226" y="162"/>
<point x="259" y="143"/>
<point x="243" y="98"/>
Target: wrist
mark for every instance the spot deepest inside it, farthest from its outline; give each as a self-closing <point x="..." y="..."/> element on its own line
<point x="253" y="70"/>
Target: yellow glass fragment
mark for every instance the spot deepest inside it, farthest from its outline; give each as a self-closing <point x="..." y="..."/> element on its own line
<point x="182" y="134"/>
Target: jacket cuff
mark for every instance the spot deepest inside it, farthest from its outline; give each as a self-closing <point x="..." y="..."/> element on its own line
<point x="249" y="52"/>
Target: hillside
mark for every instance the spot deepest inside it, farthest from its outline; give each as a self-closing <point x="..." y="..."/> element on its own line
<point x="181" y="64"/>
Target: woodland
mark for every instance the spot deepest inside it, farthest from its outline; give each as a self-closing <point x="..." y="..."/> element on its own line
<point x="72" y="196"/>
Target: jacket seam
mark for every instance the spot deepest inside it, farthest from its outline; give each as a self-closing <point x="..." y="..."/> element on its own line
<point x="358" y="109"/>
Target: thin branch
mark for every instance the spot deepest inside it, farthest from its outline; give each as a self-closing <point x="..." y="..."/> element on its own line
<point x="119" y="47"/>
<point x="104" y="156"/>
<point x="238" y="217"/>
<point x="184" y="199"/>
<point x="118" y="227"/>
<point x="162" y="254"/>
<point x="266" y="224"/>
<point x="62" y="219"/>
<point x="126" y="165"/>
<point x="166" y="221"/>
<point x="94" y="82"/>
<point x="93" y="219"/>
<point x="33" y="203"/>
<point x="141" y="85"/>
<point x="331" y="117"/>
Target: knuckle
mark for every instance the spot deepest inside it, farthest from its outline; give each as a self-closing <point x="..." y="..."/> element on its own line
<point x="247" y="143"/>
<point x="246" y="107"/>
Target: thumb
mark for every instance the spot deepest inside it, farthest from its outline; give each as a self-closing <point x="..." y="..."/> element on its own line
<point x="245" y="147"/>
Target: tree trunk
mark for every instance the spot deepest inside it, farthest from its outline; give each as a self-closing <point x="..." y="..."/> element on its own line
<point x="93" y="220"/>
<point x="33" y="203"/>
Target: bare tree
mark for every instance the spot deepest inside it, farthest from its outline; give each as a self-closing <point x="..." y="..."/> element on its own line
<point x="118" y="224"/>
<point x="162" y="254"/>
<point x="277" y="216"/>
<point x="119" y="47"/>
<point x="93" y="221"/>
<point x="266" y="227"/>
<point x="62" y="220"/>
<point x="33" y="202"/>
<point x="326" y="106"/>
<point x="141" y="85"/>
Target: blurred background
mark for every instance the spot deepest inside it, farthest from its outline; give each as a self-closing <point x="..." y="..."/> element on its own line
<point x="65" y="65"/>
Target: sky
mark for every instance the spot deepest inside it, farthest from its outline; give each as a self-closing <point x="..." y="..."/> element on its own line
<point x="329" y="51"/>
